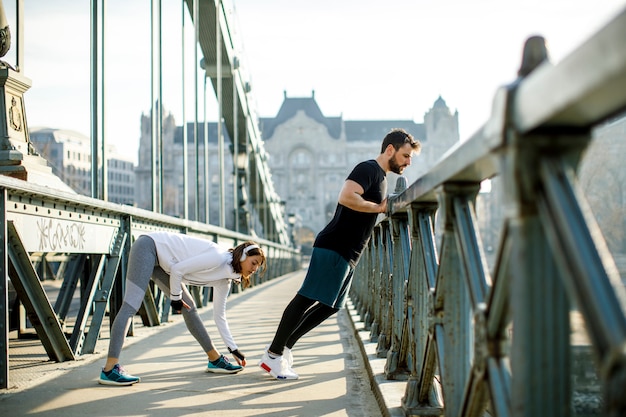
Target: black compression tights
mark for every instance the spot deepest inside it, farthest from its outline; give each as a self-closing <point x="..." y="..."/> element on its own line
<point x="300" y="316"/>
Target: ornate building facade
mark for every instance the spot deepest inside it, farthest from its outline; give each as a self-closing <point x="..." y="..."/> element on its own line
<point x="312" y="154"/>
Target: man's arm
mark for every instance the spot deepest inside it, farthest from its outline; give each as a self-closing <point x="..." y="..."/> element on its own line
<point x="351" y="196"/>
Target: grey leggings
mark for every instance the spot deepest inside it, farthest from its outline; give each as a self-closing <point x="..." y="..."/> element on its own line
<point x="143" y="266"/>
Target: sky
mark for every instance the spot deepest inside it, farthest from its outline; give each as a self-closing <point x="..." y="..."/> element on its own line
<point x="364" y="60"/>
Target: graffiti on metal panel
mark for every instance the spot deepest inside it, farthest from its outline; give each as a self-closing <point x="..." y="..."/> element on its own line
<point x="55" y="235"/>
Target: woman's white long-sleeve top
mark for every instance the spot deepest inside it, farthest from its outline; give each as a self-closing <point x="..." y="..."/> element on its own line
<point x="199" y="262"/>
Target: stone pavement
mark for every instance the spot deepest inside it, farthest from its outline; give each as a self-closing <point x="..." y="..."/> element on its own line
<point x="336" y="379"/>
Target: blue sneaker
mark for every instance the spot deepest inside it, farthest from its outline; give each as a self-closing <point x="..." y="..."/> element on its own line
<point x="117" y="376"/>
<point x="223" y="366"/>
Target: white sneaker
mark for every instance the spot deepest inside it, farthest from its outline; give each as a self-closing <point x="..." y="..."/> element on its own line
<point x="288" y="357"/>
<point x="286" y="354"/>
<point x="277" y="367"/>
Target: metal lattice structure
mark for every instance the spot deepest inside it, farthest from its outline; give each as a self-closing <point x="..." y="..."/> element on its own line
<point x="88" y="240"/>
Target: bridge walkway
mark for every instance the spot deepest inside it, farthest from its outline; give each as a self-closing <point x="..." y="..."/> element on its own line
<point x="335" y="378"/>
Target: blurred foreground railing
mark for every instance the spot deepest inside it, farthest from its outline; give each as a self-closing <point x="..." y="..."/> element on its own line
<point x="471" y="341"/>
<point x="84" y="243"/>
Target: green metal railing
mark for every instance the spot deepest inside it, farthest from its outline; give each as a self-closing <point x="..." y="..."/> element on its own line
<point x="471" y="341"/>
<point x="88" y="240"/>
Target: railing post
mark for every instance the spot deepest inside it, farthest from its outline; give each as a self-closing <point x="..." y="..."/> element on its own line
<point x="376" y="289"/>
<point x="452" y="301"/>
<point x="368" y="287"/>
<point x="386" y="290"/>
<point x="420" y="289"/>
<point x="540" y="352"/>
<point x="395" y="367"/>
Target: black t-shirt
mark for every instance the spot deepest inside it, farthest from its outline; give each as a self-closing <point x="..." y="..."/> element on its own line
<point x="349" y="231"/>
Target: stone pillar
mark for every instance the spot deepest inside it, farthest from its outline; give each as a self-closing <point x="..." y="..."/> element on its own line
<point x="14" y="140"/>
<point x="17" y="156"/>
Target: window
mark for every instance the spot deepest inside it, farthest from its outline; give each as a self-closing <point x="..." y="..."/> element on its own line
<point x="301" y="158"/>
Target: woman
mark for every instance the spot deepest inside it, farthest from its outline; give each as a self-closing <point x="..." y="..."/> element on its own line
<point x="172" y="260"/>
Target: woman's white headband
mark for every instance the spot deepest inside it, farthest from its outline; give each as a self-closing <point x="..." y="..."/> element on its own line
<point x="246" y="250"/>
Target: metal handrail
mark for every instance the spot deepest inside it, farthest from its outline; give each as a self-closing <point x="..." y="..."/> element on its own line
<point x="91" y="239"/>
<point x="471" y="340"/>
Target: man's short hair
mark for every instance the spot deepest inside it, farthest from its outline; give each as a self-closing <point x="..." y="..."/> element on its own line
<point x="398" y="138"/>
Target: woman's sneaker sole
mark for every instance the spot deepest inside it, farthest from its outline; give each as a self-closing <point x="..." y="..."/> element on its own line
<point x="222" y="371"/>
<point x="117" y="383"/>
<point x="274" y="375"/>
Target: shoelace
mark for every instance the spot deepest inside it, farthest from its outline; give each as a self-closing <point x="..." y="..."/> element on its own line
<point x="221" y="358"/>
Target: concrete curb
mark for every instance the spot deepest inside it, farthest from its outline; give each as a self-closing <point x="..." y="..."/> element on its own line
<point x="388" y="393"/>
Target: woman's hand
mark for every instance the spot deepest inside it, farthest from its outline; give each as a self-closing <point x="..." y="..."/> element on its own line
<point x="177" y="305"/>
<point x="239" y="357"/>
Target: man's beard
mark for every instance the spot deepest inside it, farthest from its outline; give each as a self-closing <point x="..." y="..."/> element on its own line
<point x="395" y="167"/>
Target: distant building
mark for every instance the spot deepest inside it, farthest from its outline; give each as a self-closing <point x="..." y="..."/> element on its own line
<point x="310" y="155"/>
<point x="174" y="198"/>
<point x="69" y="155"/>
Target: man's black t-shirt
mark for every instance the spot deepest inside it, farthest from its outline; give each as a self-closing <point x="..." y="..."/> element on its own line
<point x="349" y="231"/>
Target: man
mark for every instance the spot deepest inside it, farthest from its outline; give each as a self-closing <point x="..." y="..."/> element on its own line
<point x="337" y="249"/>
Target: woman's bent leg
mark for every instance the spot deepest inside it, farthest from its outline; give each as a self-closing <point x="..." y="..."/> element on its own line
<point x="192" y="318"/>
<point x="141" y="262"/>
